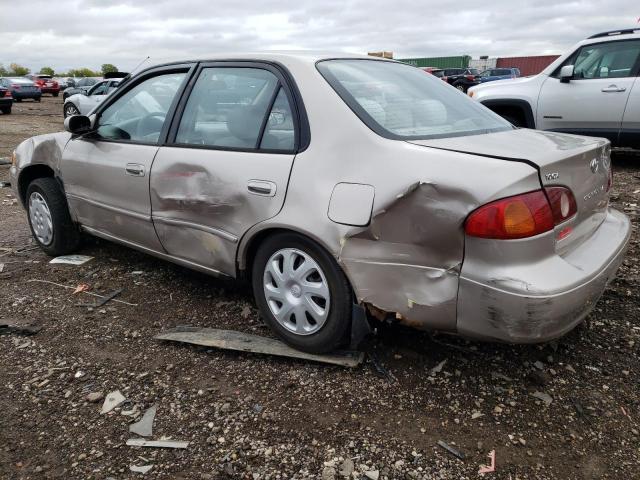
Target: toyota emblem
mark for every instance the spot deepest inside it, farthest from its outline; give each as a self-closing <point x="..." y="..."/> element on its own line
<point x="594" y="165"/>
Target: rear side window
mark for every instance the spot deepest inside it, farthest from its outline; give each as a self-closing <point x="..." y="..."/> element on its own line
<point x="401" y="102"/>
<point x="243" y="108"/>
<point x="502" y="72"/>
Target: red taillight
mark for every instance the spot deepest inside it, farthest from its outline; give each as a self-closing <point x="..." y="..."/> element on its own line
<point x="8" y="93"/>
<point x="444" y="78"/>
<point x="563" y="203"/>
<point x="514" y="217"/>
<point x="523" y="216"/>
<point x="471" y="78"/>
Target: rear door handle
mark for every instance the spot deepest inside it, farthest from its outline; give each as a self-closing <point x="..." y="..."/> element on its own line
<point x="134" y="169"/>
<point x="613" y="88"/>
<point x="261" y="187"/>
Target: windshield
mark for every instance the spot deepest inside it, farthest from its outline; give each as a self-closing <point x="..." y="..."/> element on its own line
<point x="399" y="101"/>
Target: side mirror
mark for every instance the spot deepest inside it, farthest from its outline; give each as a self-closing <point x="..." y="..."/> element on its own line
<point x="77" y="124"/>
<point x="566" y="73"/>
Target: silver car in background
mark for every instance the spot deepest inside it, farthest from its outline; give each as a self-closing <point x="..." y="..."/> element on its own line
<point x="83" y="103"/>
<point x="335" y="184"/>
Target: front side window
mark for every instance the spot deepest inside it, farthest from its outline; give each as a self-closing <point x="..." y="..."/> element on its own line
<point x="98" y="89"/>
<point x="228" y="108"/>
<point x="606" y="60"/>
<point x="140" y="113"/>
<point x="401" y="102"/>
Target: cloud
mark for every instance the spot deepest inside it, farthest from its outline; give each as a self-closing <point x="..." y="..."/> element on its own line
<point x="77" y="33"/>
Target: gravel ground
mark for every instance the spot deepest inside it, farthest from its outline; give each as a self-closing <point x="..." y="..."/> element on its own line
<point x="257" y="417"/>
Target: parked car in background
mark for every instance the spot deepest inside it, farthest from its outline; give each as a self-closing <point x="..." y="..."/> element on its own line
<point x="66" y="83"/>
<point x="22" y="88"/>
<point x="448" y="217"/>
<point x="591" y="90"/>
<point x="83" y="103"/>
<point x="498" y="74"/>
<point x="6" y="99"/>
<point x="461" y="78"/>
<point x="46" y="83"/>
<point x="81" y="85"/>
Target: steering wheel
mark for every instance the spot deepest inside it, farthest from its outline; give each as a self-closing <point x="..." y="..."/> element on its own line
<point x="146" y="125"/>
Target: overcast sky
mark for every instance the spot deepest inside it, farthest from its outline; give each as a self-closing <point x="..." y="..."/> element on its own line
<point x="86" y="33"/>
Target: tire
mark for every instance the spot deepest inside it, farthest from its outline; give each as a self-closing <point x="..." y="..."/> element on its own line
<point x="55" y="94"/>
<point x="321" y="334"/>
<point x="6" y="110"/>
<point x="70" y="109"/>
<point x="461" y="87"/>
<point x="64" y="236"/>
<point x="18" y="100"/>
<point x="38" y="99"/>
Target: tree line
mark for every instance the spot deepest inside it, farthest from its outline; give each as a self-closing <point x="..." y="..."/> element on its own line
<point x="16" y="70"/>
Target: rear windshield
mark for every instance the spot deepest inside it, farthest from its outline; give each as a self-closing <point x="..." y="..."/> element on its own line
<point x="399" y="101"/>
<point x="437" y="73"/>
<point x="502" y="71"/>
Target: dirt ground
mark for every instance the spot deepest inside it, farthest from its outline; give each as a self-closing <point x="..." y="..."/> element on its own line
<point x="258" y="417"/>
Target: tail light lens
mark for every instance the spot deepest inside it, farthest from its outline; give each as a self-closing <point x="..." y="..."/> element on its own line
<point x="469" y="77"/>
<point x="7" y="93"/>
<point x="523" y="216"/>
<point x="563" y="203"/>
<point x="514" y="217"/>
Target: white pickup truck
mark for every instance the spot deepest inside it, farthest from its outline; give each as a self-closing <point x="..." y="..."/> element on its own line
<point x="592" y="90"/>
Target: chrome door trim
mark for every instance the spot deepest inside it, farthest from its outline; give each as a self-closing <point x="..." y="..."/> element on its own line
<point x="155" y="253"/>
<point x="121" y="211"/>
<point x="196" y="226"/>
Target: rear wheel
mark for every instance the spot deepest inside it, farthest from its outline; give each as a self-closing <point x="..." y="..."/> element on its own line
<point x="37" y="99"/>
<point x="302" y="293"/>
<point x="6" y="110"/>
<point x="49" y="218"/>
<point x="460" y="87"/>
<point x="18" y="100"/>
<point x="55" y="94"/>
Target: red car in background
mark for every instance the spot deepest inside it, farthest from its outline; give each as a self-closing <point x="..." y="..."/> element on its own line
<point x="46" y="84"/>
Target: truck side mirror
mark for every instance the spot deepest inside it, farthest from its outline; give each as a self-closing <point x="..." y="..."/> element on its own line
<point x="566" y="73"/>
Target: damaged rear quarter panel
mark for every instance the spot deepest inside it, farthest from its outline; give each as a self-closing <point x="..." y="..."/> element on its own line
<point x="406" y="261"/>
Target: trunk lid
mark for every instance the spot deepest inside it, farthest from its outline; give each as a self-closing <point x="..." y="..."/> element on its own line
<point x="580" y="163"/>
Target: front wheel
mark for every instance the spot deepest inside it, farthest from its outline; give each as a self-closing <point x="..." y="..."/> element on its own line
<point x="302" y="293"/>
<point x="70" y="109"/>
<point x="49" y="218"/>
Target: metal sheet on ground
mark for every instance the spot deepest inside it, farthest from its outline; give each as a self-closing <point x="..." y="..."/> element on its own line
<point x="245" y="342"/>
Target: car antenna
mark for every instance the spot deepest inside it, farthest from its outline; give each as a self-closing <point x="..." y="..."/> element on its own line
<point x="140" y="64"/>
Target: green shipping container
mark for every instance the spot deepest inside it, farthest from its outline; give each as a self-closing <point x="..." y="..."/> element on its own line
<point x="461" y="61"/>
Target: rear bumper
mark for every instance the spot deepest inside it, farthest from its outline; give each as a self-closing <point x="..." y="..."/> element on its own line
<point x="6" y="101"/>
<point x="538" y="301"/>
<point x="23" y="95"/>
<point x="50" y="90"/>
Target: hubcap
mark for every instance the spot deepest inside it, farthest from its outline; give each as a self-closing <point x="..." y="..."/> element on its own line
<point x="71" y="110"/>
<point x="40" y="217"/>
<point x="296" y="291"/>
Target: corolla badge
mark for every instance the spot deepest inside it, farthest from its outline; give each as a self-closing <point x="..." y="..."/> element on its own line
<point x="594" y="165"/>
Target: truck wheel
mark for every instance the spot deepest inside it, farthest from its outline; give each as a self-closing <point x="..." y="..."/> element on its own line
<point x="302" y="293"/>
<point x="55" y="94"/>
<point x="6" y="110"/>
<point x="49" y="218"/>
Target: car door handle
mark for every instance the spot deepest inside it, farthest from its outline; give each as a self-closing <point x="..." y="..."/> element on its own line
<point x="134" y="169"/>
<point x="613" y="88"/>
<point x="261" y="187"/>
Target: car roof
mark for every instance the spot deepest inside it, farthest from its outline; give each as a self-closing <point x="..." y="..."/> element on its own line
<point x="281" y="56"/>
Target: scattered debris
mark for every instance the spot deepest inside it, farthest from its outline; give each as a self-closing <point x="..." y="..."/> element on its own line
<point x="83" y="287"/>
<point x="1" y="267"/>
<point x="438" y="367"/>
<point x="72" y="259"/>
<point x="141" y="442"/>
<point x="108" y="298"/>
<point x="546" y="398"/>
<point x="539" y="365"/>
<point x="26" y="330"/>
<point x="372" y="474"/>
<point x="491" y="467"/>
<point x="245" y="342"/>
<point x="113" y="400"/>
<point x="73" y="288"/>
<point x="380" y="369"/>
<point x="475" y="415"/>
<point x="140" y="469"/>
<point x="347" y="467"/>
<point x="144" y="427"/>
<point x="94" y="397"/>
<point x="453" y="451"/>
<point x="246" y="311"/>
<point x="5" y="184"/>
